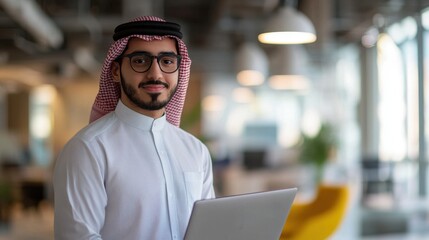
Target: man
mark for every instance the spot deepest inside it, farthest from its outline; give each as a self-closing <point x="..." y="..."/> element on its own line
<point x="132" y="173"/>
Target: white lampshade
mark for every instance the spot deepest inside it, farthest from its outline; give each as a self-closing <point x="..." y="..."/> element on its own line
<point x="288" y="26"/>
<point x="251" y="64"/>
<point x="287" y="67"/>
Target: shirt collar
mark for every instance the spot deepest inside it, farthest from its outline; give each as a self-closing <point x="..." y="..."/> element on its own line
<point x="139" y="120"/>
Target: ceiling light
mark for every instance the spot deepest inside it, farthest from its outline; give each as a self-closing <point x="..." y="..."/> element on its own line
<point x="287" y="68"/>
<point x="288" y="26"/>
<point x="251" y="65"/>
<point x="214" y="103"/>
<point x="288" y="82"/>
<point x="243" y="95"/>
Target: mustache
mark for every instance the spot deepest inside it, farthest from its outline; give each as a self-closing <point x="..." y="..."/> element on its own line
<point x="153" y="82"/>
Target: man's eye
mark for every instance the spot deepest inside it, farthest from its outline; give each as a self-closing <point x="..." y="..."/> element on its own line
<point x="139" y="60"/>
<point x="168" y="60"/>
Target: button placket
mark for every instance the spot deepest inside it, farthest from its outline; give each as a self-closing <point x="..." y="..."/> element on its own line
<point x="165" y="163"/>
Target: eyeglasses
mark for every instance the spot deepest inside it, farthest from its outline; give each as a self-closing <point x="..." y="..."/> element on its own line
<point x="141" y="62"/>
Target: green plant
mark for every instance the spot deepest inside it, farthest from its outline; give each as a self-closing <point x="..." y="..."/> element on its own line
<point x="5" y="202"/>
<point x="317" y="149"/>
<point x="5" y="192"/>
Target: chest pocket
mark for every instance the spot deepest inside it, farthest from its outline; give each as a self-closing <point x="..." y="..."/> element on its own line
<point x="194" y="186"/>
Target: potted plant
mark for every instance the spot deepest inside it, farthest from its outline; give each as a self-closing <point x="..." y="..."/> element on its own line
<point x="318" y="149"/>
<point x="5" y="202"/>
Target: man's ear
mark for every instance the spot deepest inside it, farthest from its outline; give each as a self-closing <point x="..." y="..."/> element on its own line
<point x="116" y="71"/>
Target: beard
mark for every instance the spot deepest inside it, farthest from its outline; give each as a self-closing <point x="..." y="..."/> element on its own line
<point x="154" y="103"/>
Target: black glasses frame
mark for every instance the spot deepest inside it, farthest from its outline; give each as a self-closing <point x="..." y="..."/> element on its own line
<point x="152" y="57"/>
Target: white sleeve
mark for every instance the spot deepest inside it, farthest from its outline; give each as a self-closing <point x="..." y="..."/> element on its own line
<point x="79" y="193"/>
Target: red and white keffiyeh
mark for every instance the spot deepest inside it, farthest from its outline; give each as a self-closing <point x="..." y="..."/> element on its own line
<point x="109" y="91"/>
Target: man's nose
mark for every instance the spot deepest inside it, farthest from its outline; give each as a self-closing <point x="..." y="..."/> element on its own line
<point x="155" y="70"/>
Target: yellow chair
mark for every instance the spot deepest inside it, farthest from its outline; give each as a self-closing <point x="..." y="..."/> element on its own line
<point x="319" y="218"/>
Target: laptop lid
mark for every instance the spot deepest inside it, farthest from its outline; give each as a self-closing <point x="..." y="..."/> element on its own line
<point x="260" y="215"/>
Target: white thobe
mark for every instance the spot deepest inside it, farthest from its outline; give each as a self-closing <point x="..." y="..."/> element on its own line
<point x="128" y="177"/>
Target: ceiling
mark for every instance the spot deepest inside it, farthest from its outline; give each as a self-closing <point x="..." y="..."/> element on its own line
<point x="210" y="27"/>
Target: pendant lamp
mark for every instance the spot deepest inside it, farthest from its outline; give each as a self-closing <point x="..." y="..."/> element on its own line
<point x="251" y="64"/>
<point x="288" y="26"/>
<point x="287" y="68"/>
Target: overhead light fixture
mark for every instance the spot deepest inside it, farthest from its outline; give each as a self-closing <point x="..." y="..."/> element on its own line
<point x="287" y="68"/>
<point x="251" y="64"/>
<point x="213" y="103"/>
<point x="243" y="95"/>
<point x="289" y="82"/>
<point x="288" y="26"/>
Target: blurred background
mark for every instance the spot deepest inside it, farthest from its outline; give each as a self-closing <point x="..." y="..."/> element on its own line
<point x="348" y="109"/>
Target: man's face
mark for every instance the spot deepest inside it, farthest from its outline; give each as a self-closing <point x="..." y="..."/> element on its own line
<point x="150" y="91"/>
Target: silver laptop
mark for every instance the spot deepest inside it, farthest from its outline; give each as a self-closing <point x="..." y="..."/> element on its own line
<point x="255" y="216"/>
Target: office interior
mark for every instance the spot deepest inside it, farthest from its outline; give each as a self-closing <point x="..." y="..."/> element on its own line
<point x="364" y="81"/>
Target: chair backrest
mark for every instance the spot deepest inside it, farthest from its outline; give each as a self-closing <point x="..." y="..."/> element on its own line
<point x="329" y="197"/>
<point x="319" y="217"/>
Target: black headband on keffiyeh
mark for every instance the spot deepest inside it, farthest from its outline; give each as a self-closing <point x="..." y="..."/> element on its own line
<point x="144" y="28"/>
<point x="147" y="28"/>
